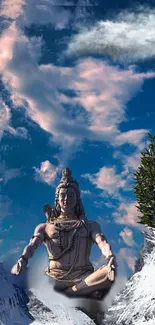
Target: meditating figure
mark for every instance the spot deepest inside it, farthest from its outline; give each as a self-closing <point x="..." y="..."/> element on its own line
<point x="68" y="237"/>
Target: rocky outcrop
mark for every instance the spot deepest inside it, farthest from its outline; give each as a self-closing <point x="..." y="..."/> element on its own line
<point x="135" y="305"/>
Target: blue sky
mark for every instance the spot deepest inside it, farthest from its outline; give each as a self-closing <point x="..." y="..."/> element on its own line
<point x="77" y="90"/>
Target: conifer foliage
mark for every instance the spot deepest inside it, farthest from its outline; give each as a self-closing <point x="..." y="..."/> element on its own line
<point x="144" y="187"/>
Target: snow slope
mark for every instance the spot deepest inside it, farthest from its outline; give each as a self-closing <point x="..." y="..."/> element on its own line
<point x="135" y="305"/>
<point x="16" y="308"/>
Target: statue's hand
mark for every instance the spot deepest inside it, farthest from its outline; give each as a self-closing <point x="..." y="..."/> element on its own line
<point x="111" y="261"/>
<point x="20" y="266"/>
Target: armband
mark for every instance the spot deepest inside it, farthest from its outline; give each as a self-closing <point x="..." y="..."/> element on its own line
<point x="24" y="258"/>
<point x="37" y="236"/>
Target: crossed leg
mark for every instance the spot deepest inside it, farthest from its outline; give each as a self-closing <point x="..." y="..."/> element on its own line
<point x="100" y="280"/>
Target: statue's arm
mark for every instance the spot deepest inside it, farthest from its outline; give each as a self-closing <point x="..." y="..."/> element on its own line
<point x="101" y="240"/>
<point x="36" y="240"/>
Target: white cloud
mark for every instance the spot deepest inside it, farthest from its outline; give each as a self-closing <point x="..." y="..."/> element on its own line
<point x="127" y="236"/>
<point x="126" y="214"/>
<point x="129" y="37"/>
<point x="111" y="182"/>
<point x="134" y="137"/>
<point x="131" y="163"/>
<point x="107" y="179"/>
<point x="47" y="173"/>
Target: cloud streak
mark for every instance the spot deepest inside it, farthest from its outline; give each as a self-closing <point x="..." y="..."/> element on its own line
<point x="36" y="12"/>
<point x="5" y="116"/>
<point x="5" y="204"/>
<point x="7" y="174"/>
<point x="129" y="37"/>
<point x="5" y="123"/>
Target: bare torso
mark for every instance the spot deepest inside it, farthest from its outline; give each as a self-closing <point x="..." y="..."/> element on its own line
<point x="69" y="246"/>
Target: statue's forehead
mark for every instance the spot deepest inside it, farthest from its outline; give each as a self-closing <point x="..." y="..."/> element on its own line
<point x="67" y="190"/>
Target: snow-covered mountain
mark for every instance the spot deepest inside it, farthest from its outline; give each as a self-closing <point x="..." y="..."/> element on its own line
<point x="18" y="308"/>
<point x="135" y="305"/>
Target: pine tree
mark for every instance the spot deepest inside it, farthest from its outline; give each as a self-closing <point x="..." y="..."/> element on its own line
<point x="144" y="187"/>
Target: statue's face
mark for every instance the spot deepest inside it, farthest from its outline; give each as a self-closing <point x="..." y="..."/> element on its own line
<point x="67" y="199"/>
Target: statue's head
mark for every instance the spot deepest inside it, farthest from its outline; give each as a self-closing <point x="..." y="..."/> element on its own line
<point x="67" y="196"/>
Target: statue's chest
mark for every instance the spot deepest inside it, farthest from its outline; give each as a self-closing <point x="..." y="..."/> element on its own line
<point x="62" y="237"/>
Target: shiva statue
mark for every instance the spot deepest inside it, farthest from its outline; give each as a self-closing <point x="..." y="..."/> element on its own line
<point x="68" y="237"/>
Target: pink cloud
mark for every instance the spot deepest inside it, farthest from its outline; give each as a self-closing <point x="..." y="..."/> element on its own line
<point x="128" y="256"/>
<point x="127" y="236"/>
<point x="12" y="8"/>
<point x="8" y="39"/>
<point x="101" y="90"/>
